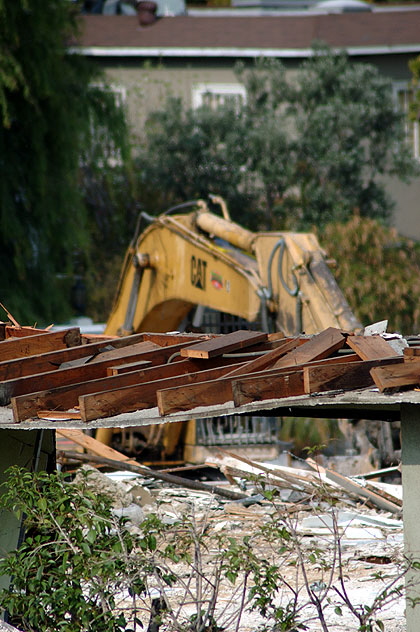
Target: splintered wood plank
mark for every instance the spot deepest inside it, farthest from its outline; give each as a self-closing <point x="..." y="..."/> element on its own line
<point x="39" y="343"/>
<point x="209" y="393"/>
<point x="346" y="376"/>
<point x="269" y="358"/>
<point x="371" y="347"/>
<point x="139" y="396"/>
<point x="401" y="376"/>
<point x="229" y="342"/>
<point x="44" y="362"/>
<point x="165" y="340"/>
<point x="17" y="332"/>
<point x="254" y="389"/>
<point x="87" y="339"/>
<point x="320" y="346"/>
<point x="53" y="415"/>
<point x="94" y="446"/>
<point x="126" y="352"/>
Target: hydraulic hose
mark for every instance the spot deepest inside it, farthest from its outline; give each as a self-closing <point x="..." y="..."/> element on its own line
<point x="292" y="291"/>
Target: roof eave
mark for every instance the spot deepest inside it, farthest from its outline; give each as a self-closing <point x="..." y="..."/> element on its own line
<point x="175" y="51"/>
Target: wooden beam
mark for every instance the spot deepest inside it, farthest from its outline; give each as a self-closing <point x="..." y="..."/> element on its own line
<point x="347" y="376"/>
<point x="254" y="389"/>
<point x="277" y="336"/>
<point x="42" y="342"/>
<point x="49" y="361"/>
<point x="318" y="347"/>
<point x="355" y="488"/>
<point x="389" y="378"/>
<point x="184" y="365"/>
<point x="223" y="344"/>
<point x="94" y="446"/>
<point x="56" y="415"/>
<point x="138" y="396"/>
<point x="209" y="393"/>
<point x="412" y="353"/>
<point x="75" y="374"/>
<point x="269" y="358"/>
<point x="55" y="359"/>
<point x="54" y="379"/>
<point x="126" y="352"/>
<point x="127" y="367"/>
<point x="65" y="397"/>
<point x="218" y="391"/>
<point x="88" y="339"/>
<point x="371" y="347"/>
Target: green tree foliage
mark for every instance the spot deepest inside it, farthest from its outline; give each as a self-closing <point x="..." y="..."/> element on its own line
<point x="304" y="148"/>
<point x="75" y="560"/>
<point x="55" y="116"/>
<point x="379" y="272"/>
<point x="349" y="134"/>
<point x="191" y="153"/>
<point x="112" y="202"/>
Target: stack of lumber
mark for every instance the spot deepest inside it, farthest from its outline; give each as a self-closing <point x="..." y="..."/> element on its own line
<point x="63" y="375"/>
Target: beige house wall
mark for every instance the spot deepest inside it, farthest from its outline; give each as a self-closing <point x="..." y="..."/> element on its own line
<point x="407" y="212"/>
<point x="146" y="87"/>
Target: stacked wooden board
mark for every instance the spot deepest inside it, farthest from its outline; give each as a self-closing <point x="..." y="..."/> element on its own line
<point x="65" y="375"/>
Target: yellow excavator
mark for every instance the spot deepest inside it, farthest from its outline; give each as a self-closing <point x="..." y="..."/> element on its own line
<point x="181" y="264"/>
<point x="198" y="271"/>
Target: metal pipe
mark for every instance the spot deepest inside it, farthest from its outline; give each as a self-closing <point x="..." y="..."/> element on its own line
<point x="225" y="229"/>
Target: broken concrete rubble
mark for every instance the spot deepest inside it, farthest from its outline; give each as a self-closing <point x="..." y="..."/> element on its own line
<point x="371" y="540"/>
<point x="6" y="627"/>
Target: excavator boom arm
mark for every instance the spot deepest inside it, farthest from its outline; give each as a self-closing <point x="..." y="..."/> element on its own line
<point x="182" y="261"/>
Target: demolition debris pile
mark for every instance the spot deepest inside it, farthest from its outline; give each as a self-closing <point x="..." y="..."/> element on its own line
<point x="66" y="375"/>
<point x="322" y="511"/>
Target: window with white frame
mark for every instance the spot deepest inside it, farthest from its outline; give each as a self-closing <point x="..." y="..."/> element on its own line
<point x="404" y="96"/>
<point x="216" y="94"/>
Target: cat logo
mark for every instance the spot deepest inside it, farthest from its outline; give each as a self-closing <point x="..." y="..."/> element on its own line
<point x="198" y="273"/>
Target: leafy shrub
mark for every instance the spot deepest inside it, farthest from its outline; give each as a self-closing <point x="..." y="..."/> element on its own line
<point x="378" y="271"/>
<point x="80" y="569"/>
